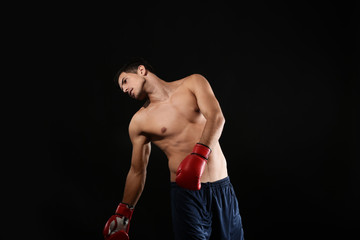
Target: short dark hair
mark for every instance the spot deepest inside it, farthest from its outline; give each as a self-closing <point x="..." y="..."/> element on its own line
<point x="132" y="65"/>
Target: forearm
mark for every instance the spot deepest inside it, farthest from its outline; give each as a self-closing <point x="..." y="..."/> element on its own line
<point x="212" y="130"/>
<point x="134" y="186"/>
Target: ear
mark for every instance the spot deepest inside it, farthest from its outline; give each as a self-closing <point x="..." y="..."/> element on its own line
<point x="142" y="70"/>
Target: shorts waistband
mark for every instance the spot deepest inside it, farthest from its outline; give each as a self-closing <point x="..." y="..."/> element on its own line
<point x="219" y="183"/>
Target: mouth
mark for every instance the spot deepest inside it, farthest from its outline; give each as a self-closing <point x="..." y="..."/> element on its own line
<point x="131" y="93"/>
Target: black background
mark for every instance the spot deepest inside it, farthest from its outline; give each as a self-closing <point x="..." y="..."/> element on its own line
<point x="284" y="75"/>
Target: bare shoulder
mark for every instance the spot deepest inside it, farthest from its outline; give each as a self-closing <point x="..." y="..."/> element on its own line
<point x="136" y="123"/>
<point x="196" y="81"/>
<point x="193" y="78"/>
<point x="138" y="118"/>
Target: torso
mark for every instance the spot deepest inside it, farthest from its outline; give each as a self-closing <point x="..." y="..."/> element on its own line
<point x="175" y="126"/>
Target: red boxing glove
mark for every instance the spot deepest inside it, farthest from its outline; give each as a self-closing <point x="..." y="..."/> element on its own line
<point x="117" y="227"/>
<point x="192" y="167"/>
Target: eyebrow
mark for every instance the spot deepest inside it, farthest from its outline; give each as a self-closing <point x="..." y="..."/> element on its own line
<point x="122" y="82"/>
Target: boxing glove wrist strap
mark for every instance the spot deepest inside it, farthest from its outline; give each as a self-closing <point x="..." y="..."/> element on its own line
<point x="124" y="210"/>
<point x="202" y="150"/>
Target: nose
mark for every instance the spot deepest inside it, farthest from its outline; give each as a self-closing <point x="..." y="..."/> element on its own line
<point x="125" y="90"/>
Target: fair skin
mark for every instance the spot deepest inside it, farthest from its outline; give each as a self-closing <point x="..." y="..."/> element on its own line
<point x="175" y="117"/>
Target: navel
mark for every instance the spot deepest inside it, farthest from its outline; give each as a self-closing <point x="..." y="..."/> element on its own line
<point x="163" y="129"/>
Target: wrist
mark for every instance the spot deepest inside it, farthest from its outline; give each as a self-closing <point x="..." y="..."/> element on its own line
<point x="125" y="210"/>
<point x="202" y="150"/>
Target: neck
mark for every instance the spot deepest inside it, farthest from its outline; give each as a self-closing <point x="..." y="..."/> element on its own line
<point x="157" y="89"/>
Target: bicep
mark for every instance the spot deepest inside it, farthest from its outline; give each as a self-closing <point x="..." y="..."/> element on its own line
<point x="140" y="155"/>
<point x="206" y="100"/>
<point x="141" y="149"/>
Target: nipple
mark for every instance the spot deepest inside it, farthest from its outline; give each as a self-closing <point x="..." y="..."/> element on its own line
<point x="163" y="129"/>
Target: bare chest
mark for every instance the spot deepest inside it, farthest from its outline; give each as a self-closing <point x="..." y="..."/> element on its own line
<point x="172" y="117"/>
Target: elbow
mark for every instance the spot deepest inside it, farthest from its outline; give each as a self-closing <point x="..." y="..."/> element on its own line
<point x="139" y="172"/>
<point x="216" y="119"/>
<point x="220" y="119"/>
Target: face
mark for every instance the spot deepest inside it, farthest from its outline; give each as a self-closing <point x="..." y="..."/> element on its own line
<point x="133" y="84"/>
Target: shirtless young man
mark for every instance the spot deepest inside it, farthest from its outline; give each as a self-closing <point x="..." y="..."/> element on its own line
<point x="184" y="119"/>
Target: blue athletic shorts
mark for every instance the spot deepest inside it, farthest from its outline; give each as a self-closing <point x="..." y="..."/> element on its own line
<point x="210" y="213"/>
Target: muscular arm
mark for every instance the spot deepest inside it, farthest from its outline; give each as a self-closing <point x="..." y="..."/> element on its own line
<point x="210" y="108"/>
<point x="135" y="180"/>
